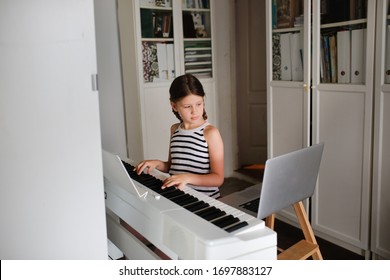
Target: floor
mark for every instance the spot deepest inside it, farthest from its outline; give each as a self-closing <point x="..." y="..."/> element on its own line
<point x="287" y="234"/>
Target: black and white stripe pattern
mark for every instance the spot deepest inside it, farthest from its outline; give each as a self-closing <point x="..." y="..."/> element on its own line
<point x="190" y="154"/>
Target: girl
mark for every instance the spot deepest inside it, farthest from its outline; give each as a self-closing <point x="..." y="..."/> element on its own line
<point x="196" y="156"/>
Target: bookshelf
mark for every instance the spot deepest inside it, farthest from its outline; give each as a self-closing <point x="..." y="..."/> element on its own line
<point x="197" y="38"/>
<point x="287" y="40"/>
<point x="157" y="41"/>
<point x="342" y="46"/>
<point x="165" y="24"/>
<point x="337" y="109"/>
<point x="160" y="40"/>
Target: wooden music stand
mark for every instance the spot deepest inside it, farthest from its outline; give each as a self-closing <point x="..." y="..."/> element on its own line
<point x="305" y="248"/>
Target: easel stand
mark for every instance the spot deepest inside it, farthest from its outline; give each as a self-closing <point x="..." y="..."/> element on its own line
<point x="305" y="248"/>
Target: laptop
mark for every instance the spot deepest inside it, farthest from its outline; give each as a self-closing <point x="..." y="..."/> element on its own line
<point x="287" y="179"/>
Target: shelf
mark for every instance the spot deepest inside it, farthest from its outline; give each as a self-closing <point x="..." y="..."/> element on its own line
<point x="343" y="23"/>
<point x="161" y="5"/>
<point x="198" y="63"/>
<point x="285" y="30"/>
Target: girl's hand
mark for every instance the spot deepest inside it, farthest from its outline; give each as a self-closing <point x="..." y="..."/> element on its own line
<point x="149" y="164"/>
<point x="178" y="181"/>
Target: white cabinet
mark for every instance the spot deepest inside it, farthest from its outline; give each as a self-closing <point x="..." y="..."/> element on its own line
<point x="342" y="119"/>
<point x="334" y="103"/>
<point x="159" y="41"/>
<point x="380" y="229"/>
<point x="288" y="100"/>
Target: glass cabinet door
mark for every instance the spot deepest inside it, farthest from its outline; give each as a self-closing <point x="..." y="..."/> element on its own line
<point x="197" y="38"/>
<point x="157" y="40"/>
<point x="287" y="40"/>
<point x="343" y="41"/>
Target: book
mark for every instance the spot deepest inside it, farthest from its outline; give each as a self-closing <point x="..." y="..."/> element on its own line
<point x="357" y="56"/>
<point x="147" y="26"/>
<point x="333" y="58"/>
<point x="323" y="62"/>
<point x="167" y="28"/>
<point x="344" y="56"/>
<point x="274" y="16"/>
<point x="327" y="76"/>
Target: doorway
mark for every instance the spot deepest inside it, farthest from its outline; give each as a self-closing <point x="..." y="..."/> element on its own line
<point x="251" y="82"/>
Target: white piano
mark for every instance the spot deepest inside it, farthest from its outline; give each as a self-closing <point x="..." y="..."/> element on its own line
<point x="214" y="231"/>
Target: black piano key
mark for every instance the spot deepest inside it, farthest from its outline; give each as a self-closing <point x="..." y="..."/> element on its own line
<point x="171" y="193"/>
<point x="197" y="206"/>
<point x="236" y="226"/>
<point x="187" y="201"/>
<point x="212" y="216"/>
<point x="225" y="221"/>
<point x="146" y="180"/>
<point x="179" y="198"/>
<point x="206" y="211"/>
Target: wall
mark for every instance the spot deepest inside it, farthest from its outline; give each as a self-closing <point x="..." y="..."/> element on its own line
<point x="110" y="78"/>
<point x="226" y="81"/>
<point x="51" y="190"/>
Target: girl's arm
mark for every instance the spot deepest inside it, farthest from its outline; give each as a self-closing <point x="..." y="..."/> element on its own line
<point x="160" y="165"/>
<point x="216" y="175"/>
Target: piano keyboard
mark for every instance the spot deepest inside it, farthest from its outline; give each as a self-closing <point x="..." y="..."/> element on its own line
<point x="216" y="216"/>
<point x="183" y="224"/>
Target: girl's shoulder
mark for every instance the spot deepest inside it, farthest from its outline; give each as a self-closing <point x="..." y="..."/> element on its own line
<point x="174" y="127"/>
<point x="211" y="131"/>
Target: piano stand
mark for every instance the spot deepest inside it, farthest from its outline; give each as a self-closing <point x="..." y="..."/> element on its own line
<point x="131" y="246"/>
<point x="143" y="240"/>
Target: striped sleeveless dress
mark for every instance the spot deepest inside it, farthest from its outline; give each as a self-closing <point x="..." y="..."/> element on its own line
<point x="190" y="154"/>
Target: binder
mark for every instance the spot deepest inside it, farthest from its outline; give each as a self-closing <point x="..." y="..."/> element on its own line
<point x="171" y="61"/>
<point x="296" y="43"/>
<point x="387" y="55"/>
<point x="344" y="56"/>
<point x="285" y="57"/>
<point x="358" y="56"/>
<point x="162" y="61"/>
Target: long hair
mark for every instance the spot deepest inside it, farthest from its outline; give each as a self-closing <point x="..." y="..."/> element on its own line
<point x="183" y="86"/>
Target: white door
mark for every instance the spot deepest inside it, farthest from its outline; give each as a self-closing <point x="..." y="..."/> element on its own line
<point x="51" y="195"/>
<point x="251" y="82"/>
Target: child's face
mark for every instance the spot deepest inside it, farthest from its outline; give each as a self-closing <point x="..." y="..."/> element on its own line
<point x="190" y="108"/>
